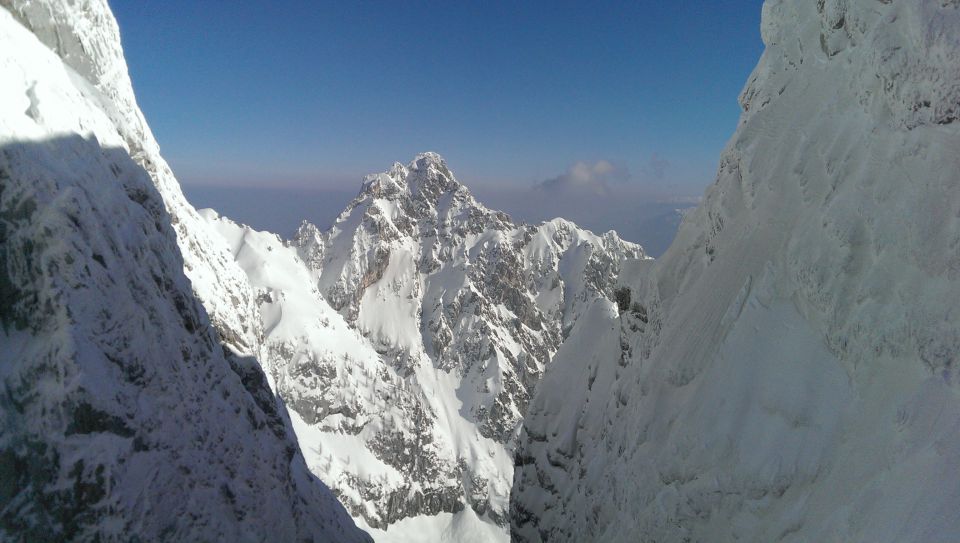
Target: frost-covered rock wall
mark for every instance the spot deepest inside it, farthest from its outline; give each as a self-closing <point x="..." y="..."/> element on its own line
<point x="85" y="35"/>
<point x="122" y="416"/>
<point x="793" y="376"/>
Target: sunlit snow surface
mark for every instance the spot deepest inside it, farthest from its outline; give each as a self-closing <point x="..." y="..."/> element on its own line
<point x="407" y="400"/>
<point x="123" y="416"/>
<point x="790" y="371"/>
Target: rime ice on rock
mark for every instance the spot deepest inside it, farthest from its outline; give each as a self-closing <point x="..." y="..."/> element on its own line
<point x="124" y="416"/>
<point x="790" y="371"/>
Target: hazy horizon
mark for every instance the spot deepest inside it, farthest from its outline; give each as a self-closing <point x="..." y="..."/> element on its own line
<point x="648" y="221"/>
<point x="608" y="116"/>
<point x="318" y="95"/>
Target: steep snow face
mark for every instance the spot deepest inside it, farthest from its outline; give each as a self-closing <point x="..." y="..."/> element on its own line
<point x="340" y="393"/>
<point x="122" y="415"/>
<point x="787" y="371"/>
<point x="427" y="272"/>
<point x="408" y="399"/>
<point x="84" y="34"/>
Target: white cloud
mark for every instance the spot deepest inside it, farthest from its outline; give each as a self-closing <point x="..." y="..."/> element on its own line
<point x="585" y="177"/>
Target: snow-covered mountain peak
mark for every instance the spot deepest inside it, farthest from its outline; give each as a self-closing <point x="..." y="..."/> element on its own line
<point x="442" y="316"/>
<point x="429" y="157"/>
<point x="418" y="188"/>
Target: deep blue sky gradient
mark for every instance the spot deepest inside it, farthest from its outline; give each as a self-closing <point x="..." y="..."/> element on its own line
<point x="305" y="93"/>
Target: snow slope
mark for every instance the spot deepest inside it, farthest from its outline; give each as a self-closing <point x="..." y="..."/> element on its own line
<point x="787" y="371"/>
<point x="408" y="399"/>
<point x="84" y="34"/>
<point x="123" y="416"/>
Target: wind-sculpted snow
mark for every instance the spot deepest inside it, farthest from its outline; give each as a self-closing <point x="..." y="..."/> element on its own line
<point x="123" y="416"/>
<point x="787" y="371"/>
<point x="407" y="400"/>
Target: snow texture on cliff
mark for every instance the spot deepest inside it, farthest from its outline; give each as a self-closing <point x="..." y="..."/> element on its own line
<point x="84" y="34"/>
<point x="788" y="370"/>
<point x="123" y="416"/>
<point x="407" y="340"/>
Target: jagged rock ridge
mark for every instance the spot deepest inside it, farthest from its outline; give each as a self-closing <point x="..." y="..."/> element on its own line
<point x="408" y="338"/>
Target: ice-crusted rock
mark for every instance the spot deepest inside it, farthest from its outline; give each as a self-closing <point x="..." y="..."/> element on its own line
<point x="787" y="371"/>
<point x="423" y="269"/>
<point x="123" y="416"/>
<point x="356" y="417"/>
<point x="85" y="35"/>
<point x="407" y="400"/>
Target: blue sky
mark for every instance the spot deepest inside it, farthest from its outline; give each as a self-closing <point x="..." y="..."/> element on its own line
<point x="297" y="93"/>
